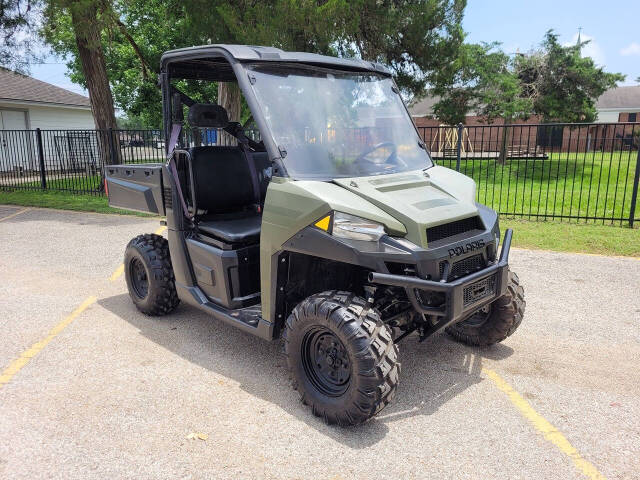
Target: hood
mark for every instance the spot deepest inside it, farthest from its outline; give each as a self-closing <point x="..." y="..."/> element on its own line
<point x="419" y="199"/>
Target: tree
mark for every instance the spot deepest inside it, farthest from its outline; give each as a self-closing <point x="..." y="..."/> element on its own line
<point x="415" y="38"/>
<point x="482" y="80"/>
<point x="554" y="82"/>
<point x="564" y="85"/>
<point x="82" y="22"/>
<point x="16" y="22"/>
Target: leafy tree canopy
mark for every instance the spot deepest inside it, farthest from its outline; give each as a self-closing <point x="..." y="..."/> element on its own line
<point x="481" y="81"/>
<point x="553" y="81"/>
<point x="16" y="20"/>
<point x="564" y="85"/>
<point x="414" y="37"/>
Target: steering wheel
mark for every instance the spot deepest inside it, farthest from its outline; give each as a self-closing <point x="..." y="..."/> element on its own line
<point x="377" y="147"/>
<point x="362" y="161"/>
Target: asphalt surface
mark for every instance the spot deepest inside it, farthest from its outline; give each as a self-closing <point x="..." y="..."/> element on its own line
<point x="118" y="395"/>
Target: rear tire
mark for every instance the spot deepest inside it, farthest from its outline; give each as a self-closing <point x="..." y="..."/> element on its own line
<point x="149" y="275"/>
<point x="495" y="322"/>
<point x="341" y="357"/>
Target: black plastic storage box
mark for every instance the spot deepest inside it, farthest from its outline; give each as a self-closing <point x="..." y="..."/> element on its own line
<point x="135" y="187"/>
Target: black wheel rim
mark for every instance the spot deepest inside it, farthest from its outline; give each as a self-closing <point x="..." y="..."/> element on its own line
<point x="478" y="318"/>
<point x="139" y="279"/>
<point x="326" y="362"/>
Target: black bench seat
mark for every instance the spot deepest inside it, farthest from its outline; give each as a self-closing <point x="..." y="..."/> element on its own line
<point x="234" y="230"/>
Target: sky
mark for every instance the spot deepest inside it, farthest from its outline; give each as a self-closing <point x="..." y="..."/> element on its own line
<point x="54" y="71"/>
<point x="519" y="25"/>
<point x="612" y="27"/>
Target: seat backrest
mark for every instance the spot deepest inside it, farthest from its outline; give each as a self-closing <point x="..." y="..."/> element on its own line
<point x="208" y="115"/>
<point x="263" y="169"/>
<point x="222" y="179"/>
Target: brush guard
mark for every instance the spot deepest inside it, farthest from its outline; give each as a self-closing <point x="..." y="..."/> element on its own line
<point x="450" y="302"/>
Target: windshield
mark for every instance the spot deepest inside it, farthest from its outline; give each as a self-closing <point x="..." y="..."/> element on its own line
<point x="337" y="124"/>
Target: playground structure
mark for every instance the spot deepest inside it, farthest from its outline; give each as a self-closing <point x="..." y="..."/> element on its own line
<point x="518" y="143"/>
<point x="445" y="141"/>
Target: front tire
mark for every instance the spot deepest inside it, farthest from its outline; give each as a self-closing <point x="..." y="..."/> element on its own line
<point x="495" y="322"/>
<point x="149" y="275"/>
<point x="341" y="357"/>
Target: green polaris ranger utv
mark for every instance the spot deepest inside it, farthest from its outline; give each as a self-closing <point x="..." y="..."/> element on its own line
<point x="331" y="228"/>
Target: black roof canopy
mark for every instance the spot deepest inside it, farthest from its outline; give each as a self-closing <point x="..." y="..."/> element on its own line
<point x="201" y="62"/>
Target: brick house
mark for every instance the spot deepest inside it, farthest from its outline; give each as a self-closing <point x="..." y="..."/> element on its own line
<point x="615" y="107"/>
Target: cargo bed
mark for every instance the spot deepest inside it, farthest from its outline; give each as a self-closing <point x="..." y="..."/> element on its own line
<point x="135" y="187"/>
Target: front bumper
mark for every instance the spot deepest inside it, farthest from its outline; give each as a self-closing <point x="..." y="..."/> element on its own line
<point x="461" y="297"/>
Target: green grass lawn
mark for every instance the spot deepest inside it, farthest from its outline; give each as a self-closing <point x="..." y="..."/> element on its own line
<point x="572" y="237"/>
<point x="593" y="184"/>
<point x="62" y="200"/>
<point x="78" y="182"/>
<point x="565" y="236"/>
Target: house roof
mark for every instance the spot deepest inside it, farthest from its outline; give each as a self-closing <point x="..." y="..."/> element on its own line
<point x="620" y="97"/>
<point x="423" y="107"/>
<point x="21" y="88"/>
<point x="615" y="98"/>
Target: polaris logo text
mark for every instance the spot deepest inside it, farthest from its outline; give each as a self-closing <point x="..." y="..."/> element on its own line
<point x="468" y="247"/>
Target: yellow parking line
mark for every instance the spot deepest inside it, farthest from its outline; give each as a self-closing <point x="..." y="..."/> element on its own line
<point x="15" y="366"/>
<point x="120" y="270"/>
<point x="116" y="273"/>
<point x="14" y="214"/>
<point x="542" y="425"/>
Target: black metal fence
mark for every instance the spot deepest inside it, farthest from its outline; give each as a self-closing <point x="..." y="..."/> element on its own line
<point x="73" y="160"/>
<point x="585" y="172"/>
<point x="580" y="172"/>
<point x="70" y="160"/>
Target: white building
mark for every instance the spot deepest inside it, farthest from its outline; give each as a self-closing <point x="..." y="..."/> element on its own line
<point x="620" y="104"/>
<point x="28" y="104"/>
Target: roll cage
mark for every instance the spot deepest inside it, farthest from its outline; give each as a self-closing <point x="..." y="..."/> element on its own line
<point x="227" y="63"/>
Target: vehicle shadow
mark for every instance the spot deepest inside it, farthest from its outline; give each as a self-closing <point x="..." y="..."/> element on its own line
<point x="433" y="372"/>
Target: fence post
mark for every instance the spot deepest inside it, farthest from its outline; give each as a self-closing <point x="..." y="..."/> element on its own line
<point x="459" y="147"/>
<point x="634" y="192"/>
<point x="43" y="174"/>
<point x="112" y="147"/>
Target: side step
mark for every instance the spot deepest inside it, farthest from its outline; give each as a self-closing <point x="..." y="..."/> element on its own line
<point x="248" y="319"/>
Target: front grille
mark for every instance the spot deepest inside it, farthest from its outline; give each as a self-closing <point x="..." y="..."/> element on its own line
<point x="447" y="230"/>
<point x="479" y="290"/>
<point x="464" y="267"/>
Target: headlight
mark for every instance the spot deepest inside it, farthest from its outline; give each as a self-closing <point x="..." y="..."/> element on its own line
<point x="356" y="228"/>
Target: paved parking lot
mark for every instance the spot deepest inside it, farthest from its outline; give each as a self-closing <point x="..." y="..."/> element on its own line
<point x="102" y="391"/>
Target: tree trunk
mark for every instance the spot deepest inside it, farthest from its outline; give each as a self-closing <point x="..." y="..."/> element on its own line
<point x="87" y="31"/>
<point x="230" y="97"/>
<point x="504" y="144"/>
